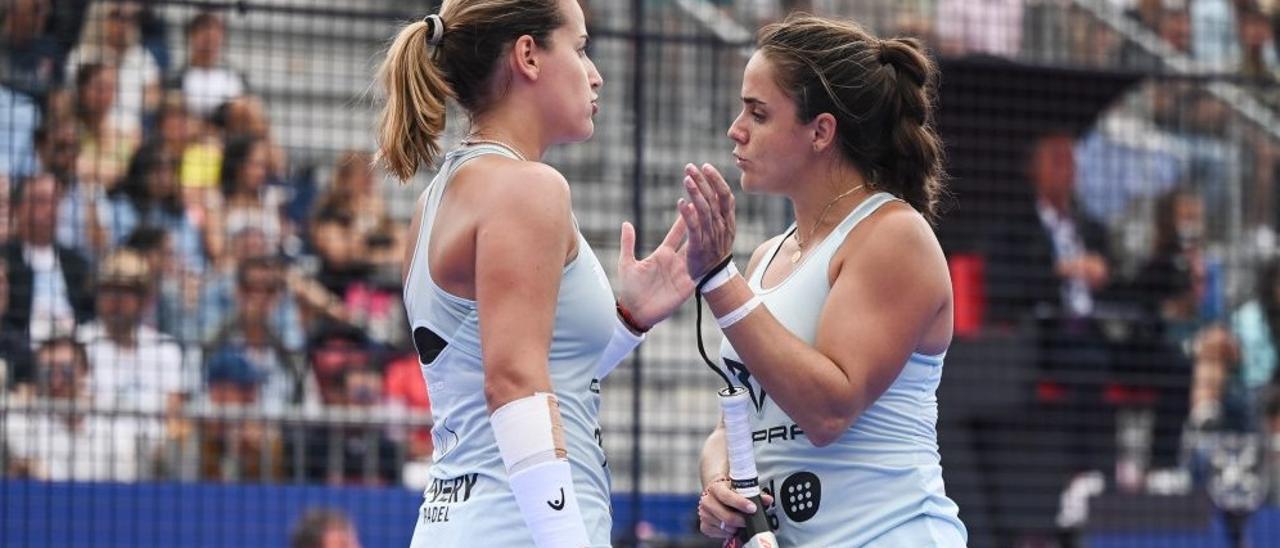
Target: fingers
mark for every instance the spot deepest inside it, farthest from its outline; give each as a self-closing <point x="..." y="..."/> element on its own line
<point x="720" y="188"/>
<point x="723" y="194"/>
<point x="707" y="188"/>
<point x="627" y="244"/>
<point x="716" y="519"/>
<point x="676" y="234"/>
<point x="700" y="200"/>
<point x="689" y="214"/>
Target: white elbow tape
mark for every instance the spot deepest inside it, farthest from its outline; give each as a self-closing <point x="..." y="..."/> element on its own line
<point x="739" y="313"/>
<point x="545" y="495"/>
<point x="528" y="431"/>
<point x="531" y="442"/>
<point x="620" y="344"/>
<point x="720" y="278"/>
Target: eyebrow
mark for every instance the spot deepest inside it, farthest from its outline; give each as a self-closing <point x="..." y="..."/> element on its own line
<point x="753" y="101"/>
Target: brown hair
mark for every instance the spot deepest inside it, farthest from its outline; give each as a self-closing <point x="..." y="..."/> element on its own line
<point x="881" y="93"/>
<point x="418" y="80"/>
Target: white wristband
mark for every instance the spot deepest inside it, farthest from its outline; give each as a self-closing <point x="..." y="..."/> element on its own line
<point x="720" y="278"/>
<point x="549" y="505"/>
<point x="620" y="344"/>
<point x="739" y="313"/>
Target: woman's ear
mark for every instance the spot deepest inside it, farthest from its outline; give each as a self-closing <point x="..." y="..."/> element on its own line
<point x="524" y="58"/>
<point x="824" y="131"/>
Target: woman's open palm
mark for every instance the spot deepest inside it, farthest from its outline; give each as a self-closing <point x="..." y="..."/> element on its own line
<point x="654" y="287"/>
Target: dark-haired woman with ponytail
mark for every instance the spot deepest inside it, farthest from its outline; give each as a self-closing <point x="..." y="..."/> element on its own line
<point x="841" y="323"/>
<point x="513" y="317"/>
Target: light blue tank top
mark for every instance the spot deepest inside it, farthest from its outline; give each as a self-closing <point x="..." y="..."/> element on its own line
<point x="880" y="483"/>
<point x="469" y="502"/>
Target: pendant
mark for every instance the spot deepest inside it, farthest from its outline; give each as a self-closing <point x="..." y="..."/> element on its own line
<point x="795" y="257"/>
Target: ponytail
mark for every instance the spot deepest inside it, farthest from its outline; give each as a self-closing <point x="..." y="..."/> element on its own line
<point x="912" y="164"/>
<point x="411" y="122"/>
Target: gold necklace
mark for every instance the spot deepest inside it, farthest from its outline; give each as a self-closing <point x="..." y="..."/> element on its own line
<point x="795" y="257"/>
<point x="476" y="140"/>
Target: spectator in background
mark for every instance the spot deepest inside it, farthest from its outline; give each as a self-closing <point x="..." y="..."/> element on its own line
<point x="251" y="334"/>
<point x="49" y="284"/>
<point x="131" y="365"/>
<point x="47" y="444"/>
<point x="335" y="348"/>
<point x="149" y="195"/>
<point x="111" y="38"/>
<point x="231" y="450"/>
<point x="218" y="299"/>
<point x="176" y="311"/>
<point x="992" y="27"/>
<point x="18" y="120"/>
<point x="1258" y="60"/>
<point x="105" y="146"/>
<point x="16" y="367"/>
<point x="1170" y="285"/>
<point x="174" y="127"/>
<point x="30" y="62"/>
<point x="247" y="200"/>
<point x="347" y="454"/>
<point x="324" y="528"/>
<point x="1170" y="19"/>
<point x="81" y="207"/>
<point x="1051" y="259"/>
<point x="352" y="209"/>
<point x="1256" y="326"/>
<point x="246" y="116"/>
<point x="206" y="81"/>
<point x="1220" y="398"/>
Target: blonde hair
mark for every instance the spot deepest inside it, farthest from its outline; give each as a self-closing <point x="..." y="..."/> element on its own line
<point x="419" y="79"/>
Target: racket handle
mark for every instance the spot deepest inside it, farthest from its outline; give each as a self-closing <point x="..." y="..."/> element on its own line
<point x="736" y="405"/>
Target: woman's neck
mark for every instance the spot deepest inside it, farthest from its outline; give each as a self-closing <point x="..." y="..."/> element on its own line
<point x="512" y="127"/>
<point x="828" y="197"/>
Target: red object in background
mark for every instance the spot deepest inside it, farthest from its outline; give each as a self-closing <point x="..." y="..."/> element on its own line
<point x="403" y="383"/>
<point x="970" y="301"/>
<point x="1051" y="392"/>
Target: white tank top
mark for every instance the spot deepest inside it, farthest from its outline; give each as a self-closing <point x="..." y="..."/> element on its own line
<point x="469" y="502"/>
<point x="880" y="483"/>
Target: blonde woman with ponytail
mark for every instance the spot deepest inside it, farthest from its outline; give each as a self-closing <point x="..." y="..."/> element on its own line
<point x="513" y="317"/>
<point x="839" y="328"/>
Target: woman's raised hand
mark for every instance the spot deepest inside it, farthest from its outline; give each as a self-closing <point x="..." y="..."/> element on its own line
<point x="707" y="212"/>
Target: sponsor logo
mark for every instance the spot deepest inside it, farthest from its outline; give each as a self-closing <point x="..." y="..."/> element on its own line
<point x="801" y="496"/>
<point x="739" y="370"/>
<point x="451" y="490"/>
<point x="557" y="504"/>
<point x="443" y="494"/>
<point x="777" y="433"/>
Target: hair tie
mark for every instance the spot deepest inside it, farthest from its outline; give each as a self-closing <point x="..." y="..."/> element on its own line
<point x="436" y="25"/>
<point x="883" y="53"/>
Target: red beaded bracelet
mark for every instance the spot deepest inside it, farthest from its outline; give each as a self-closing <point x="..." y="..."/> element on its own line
<point x="628" y="320"/>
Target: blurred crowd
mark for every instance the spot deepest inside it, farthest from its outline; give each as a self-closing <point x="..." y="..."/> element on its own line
<point x="161" y="259"/>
